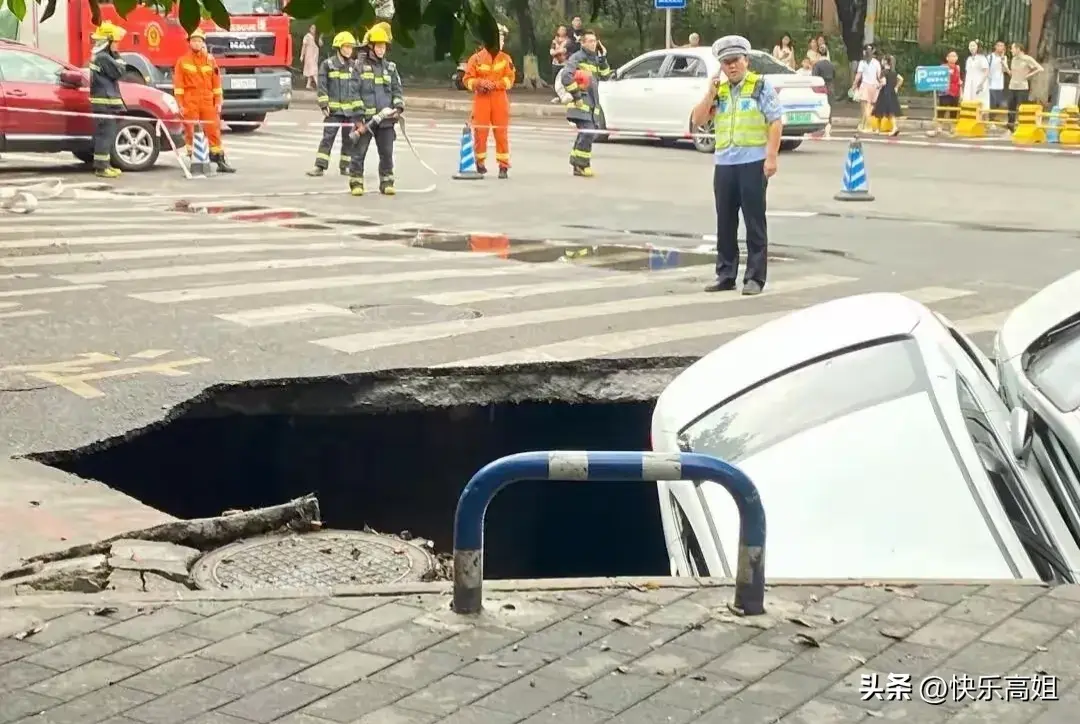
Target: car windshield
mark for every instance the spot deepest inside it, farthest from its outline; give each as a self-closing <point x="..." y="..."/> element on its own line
<point x="254" y="7"/>
<point x="1055" y="368"/>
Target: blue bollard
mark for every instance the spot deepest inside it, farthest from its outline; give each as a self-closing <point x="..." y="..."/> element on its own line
<point x="610" y="466"/>
<point x="1053" y="130"/>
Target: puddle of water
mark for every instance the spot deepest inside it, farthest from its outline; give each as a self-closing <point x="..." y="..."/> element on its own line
<point x="614" y="257"/>
<point x="188" y="208"/>
<point x="351" y="222"/>
<point x="265" y="214"/>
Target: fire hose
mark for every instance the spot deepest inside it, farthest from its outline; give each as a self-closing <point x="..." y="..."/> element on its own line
<point x="16" y="199"/>
<point x="386" y="114"/>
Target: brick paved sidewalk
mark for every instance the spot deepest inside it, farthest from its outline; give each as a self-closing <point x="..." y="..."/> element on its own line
<point x="623" y="653"/>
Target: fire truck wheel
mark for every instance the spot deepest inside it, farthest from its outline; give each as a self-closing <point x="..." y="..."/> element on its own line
<point x="136" y="147"/>
<point x="247" y="123"/>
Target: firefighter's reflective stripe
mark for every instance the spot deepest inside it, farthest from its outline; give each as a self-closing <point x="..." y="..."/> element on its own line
<point x="338" y="86"/>
<point x="578" y="153"/>
<point x="739" y="121"/>
<point x="102" y="157"/>
<point x="602" y="71"/>
<point x="98" y="101"/>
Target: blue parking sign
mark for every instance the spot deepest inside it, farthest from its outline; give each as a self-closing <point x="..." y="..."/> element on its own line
<point x="669" y="4"/>
<point x="932" y="79"/>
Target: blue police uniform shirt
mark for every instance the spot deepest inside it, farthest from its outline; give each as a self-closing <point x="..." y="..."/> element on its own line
<point x="769" y="102"/>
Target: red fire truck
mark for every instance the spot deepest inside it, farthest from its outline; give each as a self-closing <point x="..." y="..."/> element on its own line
<point x="254" y="54"/>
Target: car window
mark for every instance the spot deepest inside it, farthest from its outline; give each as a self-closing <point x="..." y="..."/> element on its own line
<point x="686" y="66"/>
<point x="17" y="66"/>
<point x="1060" y="471"/>
<point x="973" y="354"/>
<point x="647" y="68"/>
<point x="809" y="396"/>
<point x="765" y="64"/>
<point x="690" y="544"/>
<point x="1054" y="368"/>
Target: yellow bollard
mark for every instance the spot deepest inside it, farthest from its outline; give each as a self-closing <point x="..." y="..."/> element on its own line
<point x="1070" y="126"/>
<point x="885" y="125"/>
<point x="969" y="124"/>
<point x="1028" y="125"/>
<point x="875" y="124"/>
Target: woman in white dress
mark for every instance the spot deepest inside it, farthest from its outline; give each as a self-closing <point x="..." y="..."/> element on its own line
<point x="977" y="76"/>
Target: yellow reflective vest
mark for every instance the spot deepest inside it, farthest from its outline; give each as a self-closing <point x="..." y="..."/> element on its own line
<point x="739" y="121"/>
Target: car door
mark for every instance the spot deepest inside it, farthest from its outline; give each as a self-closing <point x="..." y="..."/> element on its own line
<point x="681" y="85"/>
<point x="31" y="90"/>
<point x="627" y="100"/>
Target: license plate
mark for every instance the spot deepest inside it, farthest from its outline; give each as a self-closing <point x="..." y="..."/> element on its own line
<point x="802" y="118"/>
<point x="243" y="84"/>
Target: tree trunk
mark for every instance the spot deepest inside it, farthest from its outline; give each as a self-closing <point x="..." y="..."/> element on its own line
<point x="852" y="17"/>
<point x="1044" y="84"/>
<point x="527" y="32"/>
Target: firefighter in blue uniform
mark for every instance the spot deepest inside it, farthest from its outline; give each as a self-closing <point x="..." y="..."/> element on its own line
<point x="382" y="100"/>
<point x="748" y="122"/>
<point x="106" y="70"/>
<point x="338" y="96"/>
<point x="579" y="78"/>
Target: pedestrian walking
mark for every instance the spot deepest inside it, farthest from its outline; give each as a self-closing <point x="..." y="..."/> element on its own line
<point x="1022" y="68"/>
<point x="748" y="121"/>
<point x="887" y="107"/>
<point x="382" y="101"/>
<point x="197" y="86"/>
<point x="106" y="70"/>
<point x="338" y="94"/>
<point x="977" y="75"/>
<point x="490" y="78"/>
<point x="584" y="69"/>
<point x="309" y="58"/>
<point x="866" y="85"/>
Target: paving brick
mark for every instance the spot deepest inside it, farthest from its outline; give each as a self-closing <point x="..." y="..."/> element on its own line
<point x="343" y="669"/>
<point x="645" y="712"/>
<point x="947" y="594"/>
<point x="82" y="680"/>
<point x="243" y="646"/>
<point x="20" y="674"/>
<point x="255" y="673"/>
<point x="784" y="689"/>
<point x="790" y="637"/>
<point x="863" y="636"/>
<point x="19" y="704"/>
<point x="275" y="701"/>
<point x="580" y="599"/>
<point x="420" y="670"/>
<point x="997" y="712"/>
<point x="564" y="637"/>
<point x="910" y="612"/>
<point x="826" y="660"/>
<point x="12" y="649"/>
<point x="1021" y="634"/>
<point x="670" y="661"/>
<point x="736" y="711"/>
<point x="151" y="624"/>
<point x="206" y="607"/>
<point x="946" y="633"/>
<point x="382" y="619"/>
<point x="1049" y="609"/>
<point x="908" y="658"/>
<point x="983" y="610"/>
<point x="682" y="613"/>
<point x="584" y="665"/>
<point x="1018" y="593"/>
<point x="658" y="596"/>
<point x="405" y="641"/>
<point x="822" y="711"/>
<point x="717" y="638"/>
<point x="448" y="694"/>
<point x="95" y="706"/>
<point x="616" y="692"/>
<point x="297" y="717"/>
<point x="987" y="658"/>
<point x="698" y="692"/>
<point x="359" y="604"/>
<point x="309" y="619"/>
<point x="158" y="650"/>
<point x="473" y="714"/>
<point x="68" y="626"/>
<point x="279" y="606"/>
<point x="529" y="616"/>
<point x="355" y="700"/>
<point x="614" y="613"/>
<point x="228" y="623"/>
<point x="568" y="712"/>
<point x="216" y="717"/>
<point x="838" y="610"/>
<point x="749" y="662"/>
<point x="316" y="647"/>
<point x="847" y="690"/>
<point x="1061" y="658"/>
<point x="874" y="595"/>
<point x="394" y="715"/>
<point x="479" y="641"/>
<point x="174" y="674"/>
<point x="181" y="705"/>
<point x="79" y="650"/>
<point x="507" y="664"/>
<point x="527" y="695"/>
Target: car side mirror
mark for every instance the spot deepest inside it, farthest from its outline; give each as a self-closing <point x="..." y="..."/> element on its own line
<point x="72" y="79"/>
<point x="1019" y="432"/>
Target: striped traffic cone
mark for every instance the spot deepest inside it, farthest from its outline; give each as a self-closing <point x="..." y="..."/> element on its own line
<point x="856" y="183"/>
<point x="200" y="160"/>
<point x="467" y="158"/>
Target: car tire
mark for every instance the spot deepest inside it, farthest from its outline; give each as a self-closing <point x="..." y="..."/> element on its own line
<point x="250" y="122"/>
<point x="601" y="124"/>
<point x="790" y="145"/>
<point x="703" y="145"/>
<point x="136" y="146"/>
<point x="86" y="157"/>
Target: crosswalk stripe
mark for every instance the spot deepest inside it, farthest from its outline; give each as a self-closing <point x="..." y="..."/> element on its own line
<point x="49" y="290"/>
<point x="366" y="341"/>
<point x="73" y="220"/>
<point x="168" y="252"/>
<point x="21" y="275"/>
<point x="983" y="322"/>
<point x="230" y="291"/>
<point x="22" y="313"/>
<point x="268" y="316"/>
<point x="933" y="295"/>
<point x="167" y="272"/>
<point x="80" y="224"/>
<point x="262" y="232"/>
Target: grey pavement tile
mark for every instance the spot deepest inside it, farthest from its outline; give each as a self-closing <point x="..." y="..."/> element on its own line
<point x="1021" y="634"/>
<point x="12" y="649"/>
<point x="947" y="594"/>
<point x="616" y="692"/>
<point x="638" y="640"/>
<point x="910" y="612"/>
<point x="78" y="650"/>
<point x="447" y="694"/>
<point x="478" y="641"/>
<point x="791" y="637"/>
<point x="1018" y="593"/>
<point x="151" y="624"/>
<point x="395" y="715"/>
<point x="908" y="658"/>
<point x="682" y="613"/>
<point x="474" y="714"/>
<point x="658" y="596"/>
<point x="717" y="638"/>
<point x="614" y="613"/>
<point x="181" y="705"/>
<point x="983" y="610"/>
<point x="297" y="717"/>
<point x="749" y="662"/>
<point x="1049" y="609"/>
<point x="20" y="674"/>
<point x="216" y="717"/>
<point x="563" y="637"/>
<point x="420" y="670"/>
<point x="569" y="712"/>
<point x="279" y="606"/>
<point x="864" y="636"/>
<point x="998" y="712"/>
<point x="584" y="665"/>
<point x="275" y="701"/>
<point x="382" y="619"/>
<point x="580" y="599"/>
<point x="784" y="689"/>
<point x="987" y="658"/>
<point x="529" y="617"/>
<point x="841" y="610"/>
<point x="157" y="650"/>
<point x="68" y="626"/>
<point x="736" y="711"/>
<point x="947" y="633"/>
<point x="526" y="695"/>
<point x="1068" y="593"/>
<point x="1061" y="658"/>
<point x="316" y="647"/>
<point x="95" y="706"/>
<point x="355" y="700"/>
<point x="405" y="641"/>
<point x="309" y="619"/>
<point x="645" y="712"/>
<point x="227" y="623"/>
<point x="255" y="673"/>
<point x="343" y="669"/>
<point x="874" y="595"/>
<point x="823" y="711"/>
<point x="359" y="604"/>
<point x="826" y="660"/>
<point x="19" y="704"/>
<point x="670" y="661"/>
<point x="206" y="607"/>
<point x="174" y="674"/>
<point x="83" y="679"/>
<point x="507" y="664"/>
<point x="698" y="692"/>
<point x="243" y="646"/>
<point x="849" y="689"/>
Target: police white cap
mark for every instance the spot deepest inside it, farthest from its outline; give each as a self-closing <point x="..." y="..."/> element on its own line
<point x="730" y="46"/>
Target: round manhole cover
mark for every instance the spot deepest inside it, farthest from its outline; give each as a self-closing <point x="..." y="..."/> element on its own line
<point x="412" y="313"/>
<point x="311" y="560"/>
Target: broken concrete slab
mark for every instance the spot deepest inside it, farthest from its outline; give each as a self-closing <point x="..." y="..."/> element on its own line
<point x="169" y="560"/>
<point x="126" y="581"/>
<point x="129" y="581"/>
<point x="87" y="574"/>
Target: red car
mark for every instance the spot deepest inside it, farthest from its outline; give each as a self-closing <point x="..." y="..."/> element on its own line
<point x="34" y="81"/>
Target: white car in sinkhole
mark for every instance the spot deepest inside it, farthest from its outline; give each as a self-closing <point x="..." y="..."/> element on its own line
<point x="876" y="435"/>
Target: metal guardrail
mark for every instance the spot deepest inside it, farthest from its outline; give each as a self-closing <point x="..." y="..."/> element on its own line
<point x="610" y="466"/>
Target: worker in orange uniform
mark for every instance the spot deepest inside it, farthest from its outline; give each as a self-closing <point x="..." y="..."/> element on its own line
<point x="489" y="78"/>
<point x="197" y="86"/>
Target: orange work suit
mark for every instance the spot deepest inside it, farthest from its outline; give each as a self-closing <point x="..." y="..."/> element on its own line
<point x="197" y="87"/>
<point x="491" y="108"/>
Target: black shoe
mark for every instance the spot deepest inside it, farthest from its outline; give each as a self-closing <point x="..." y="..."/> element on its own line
<point x="752" y="288"/>
<point x="721" y="286"/>
<point x="481" y="169"/>
<point x="317" y="172"/>
<point x="504" y="173"/>
<point x="224" y="167"/>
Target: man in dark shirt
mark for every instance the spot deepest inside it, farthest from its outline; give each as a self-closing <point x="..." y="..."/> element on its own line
<point x="573" y="43"/>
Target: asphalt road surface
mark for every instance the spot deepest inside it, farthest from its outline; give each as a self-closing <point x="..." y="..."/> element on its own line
<point x="113" y="309"/>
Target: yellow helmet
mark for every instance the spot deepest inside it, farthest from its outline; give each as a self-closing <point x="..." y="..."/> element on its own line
<point x="197" y="33"/>
<point x="344" y="38"/>
<point x="108" y="31"/>
<point x="379" y="33"/>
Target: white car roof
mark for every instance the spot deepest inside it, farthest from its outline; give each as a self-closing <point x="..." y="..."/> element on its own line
<point x="1045" y="310"/>
<point x="754" y="356"/>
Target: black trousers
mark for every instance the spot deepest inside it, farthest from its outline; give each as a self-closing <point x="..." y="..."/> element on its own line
<point x="742" y="186"/>
<point x="104" y="137"/>
<point x="1016" y="99"/>
<point x="581" y="154"/>
<point x="326" y="145"/>
<point x="384" y="144"/>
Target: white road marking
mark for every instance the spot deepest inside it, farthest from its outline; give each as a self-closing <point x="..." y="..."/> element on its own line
<point x="168" y="272"/>
<point x="983" y="322"/>
<point x="933" y="295"/>
<point x="22" y="313"/>
<point x="168" y="252"/>
<point x="49" y="290"/>
<point x="366" y="341"/>
<point x="261" y="232"/>
<point x="268" y="316"/>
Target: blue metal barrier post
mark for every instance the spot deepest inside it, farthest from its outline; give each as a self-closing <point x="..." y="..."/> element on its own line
<point x="611" y="466"/>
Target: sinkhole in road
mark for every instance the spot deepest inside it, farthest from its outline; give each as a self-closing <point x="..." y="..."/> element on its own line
<point x="392" y="451"/>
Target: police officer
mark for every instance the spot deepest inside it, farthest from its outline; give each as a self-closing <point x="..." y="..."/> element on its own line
<point x="747" y="119"/>
<point x="382" y="100"/>
<point x="579" y="77"/>
<point x="338" y="95"/>
<point x="106" y="69"/>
